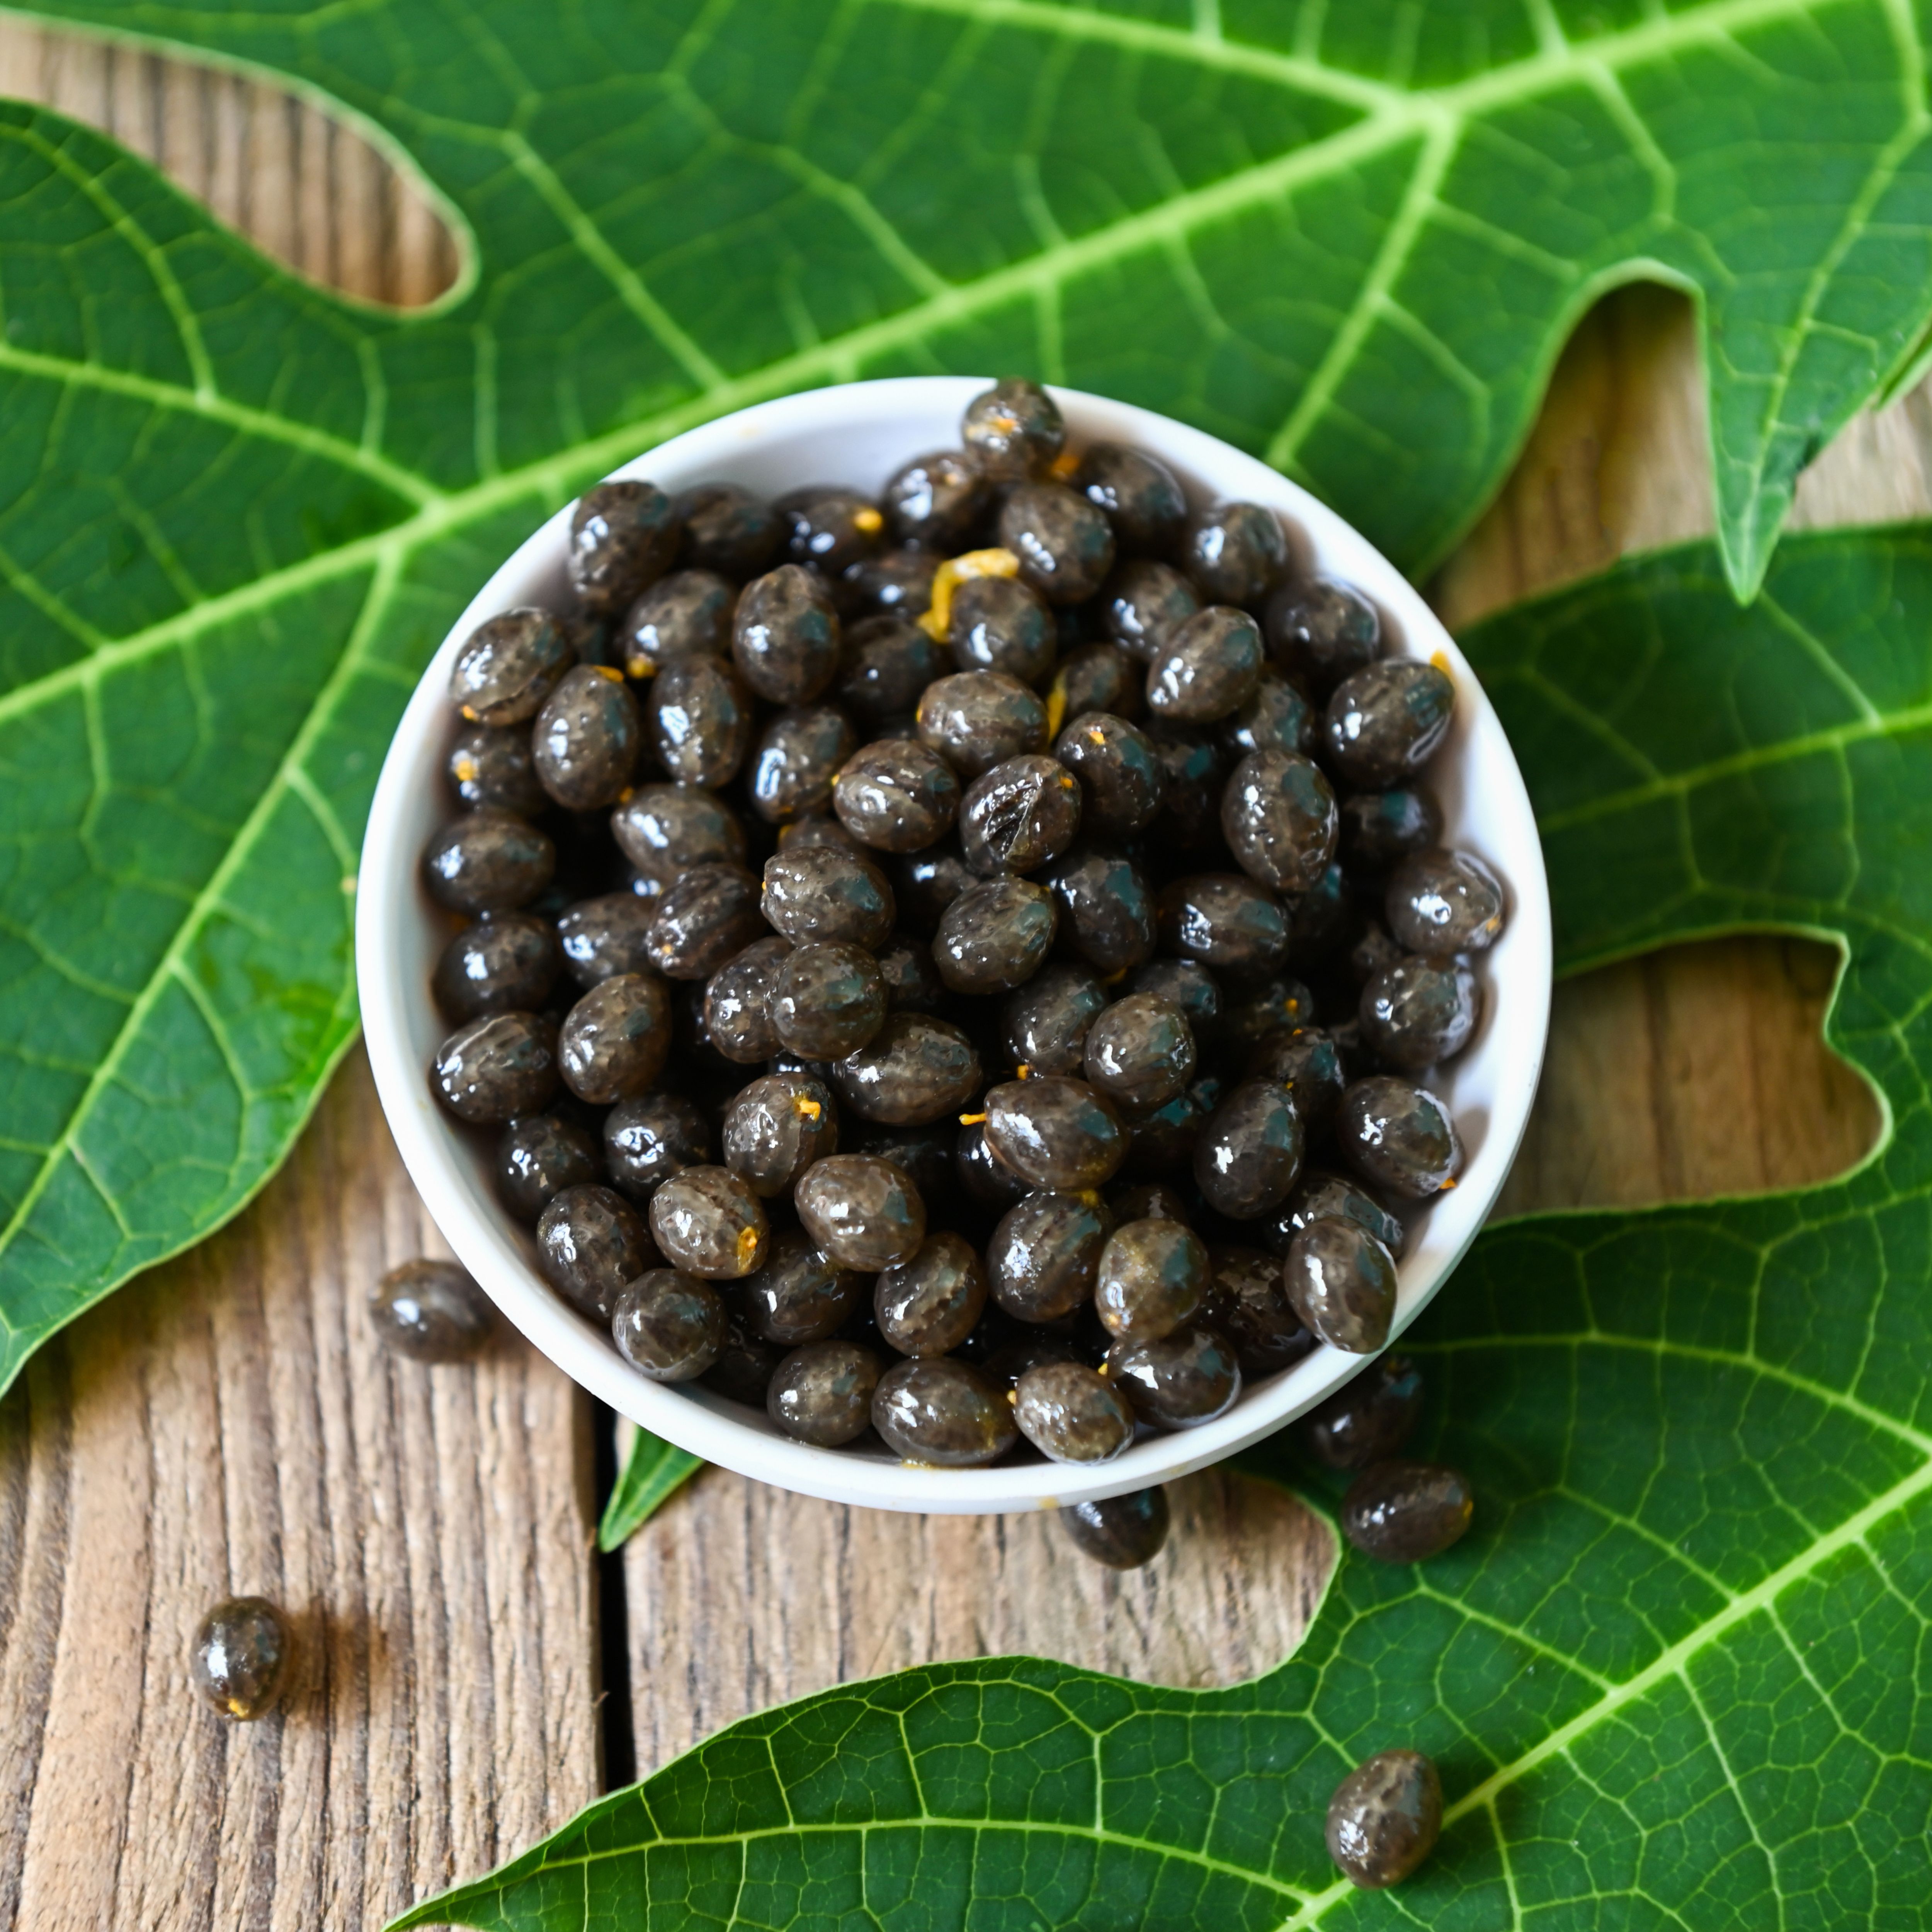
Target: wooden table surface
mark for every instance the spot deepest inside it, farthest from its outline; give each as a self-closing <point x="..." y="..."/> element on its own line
<point x="471" y="1672"/>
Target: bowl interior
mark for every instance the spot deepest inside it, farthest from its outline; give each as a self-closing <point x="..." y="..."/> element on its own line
<point x="857" y="435"/>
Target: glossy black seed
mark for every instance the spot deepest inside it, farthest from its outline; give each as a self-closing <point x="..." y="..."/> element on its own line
<point x="1122" y="778"/>
<point x="1071" y="1414"/>
<point x="744" y="1369"/>
<point x="1045" y="1255"/>
<point x="737" y="1009"/>
<point x="1258" y="1015"/>
<point x="994" y="936"/>
<point x="1097" y="677"/>
<point x="700" y="720"/>
<point x="986" y="1181"/>
<point x="916" y="1069"/>
<point x="1323" y="1193"/>
<point x="797" y="760"/>
<point x="1398" y="1136"/>
<point x="496" y="1067"/>
<point x="1163" y="1141"/>
<point x="1384" y="724"/>
<point x="1280" y="818"/>
<point x="1016" y="817"/>
<point x="430" y="1311"/>
<point x="828" y="1001"/>
<point x="650" y="1137"/>
<point x="1065" y="545"/>
<point x="1385" y="1818"/>
<point x="1234" y="552"/>
<point x="1145" y="1200"/>
<point x="824" y="892"/>
<point x="728" y="530"/>
<point x="590" y="1242"/>
<point x="1342" y="1281"/>
<point x="830" y="529"/>
<point x="1123" y="1532"/>
<point x="1248" y="1157"/>
<point x="600" y="937"/>
<point x="505" y="962"/>
<point x="785" y="638"/>
<point x="538" y="1157"/>
<point x="938" y="501"/>
<point x="1055" y="1133"/>
<point x="1406" y="1512"/>
<point x="1308" y="1063"/>
<point x="1368" y="1419"/>
<point x="897" y="795"/>
<point x="1206" y="668"/>
<point x="927" y="1304"/>
<point x="586" y="738"/>
<point x="1188" y="984"/>
<point x="623" y="535"/>
<point x="1248" y="1304"/>
<point x="490" y="765"/>
<point x="942" y="1410"/>
<point x="239" y="1662"/>
<point x="487" y="861"/>
<point x="1181" y="1381"/>
<point x="800" y="1294"/>
<point x="1140" y="1052"/>
<point x="1153" y="1276"/>
<point x="822" y="1393"/>
<point x="895" y="583"/>
<point x="1275" y="718"/>
<point x="1000" y="623"/>
<point x="1417" y="1012"/>
<point x="912" y="982"/>
<point x="687" y="614"/>
<point x="708" y="1222"/>
<point x="863" y="1212"/>
<point x="925" y="884"/>
<point x="924" y="1154"/>
<point x="613" y="1042"/>
<point x="669" y="1326"/>
<point x="1442" y="902"/>
<point x="887" y="661"/>
<point x="1013" y="430"/>
<point x="1322" y="632"/>
<point x="1106" y="910"/>
<point x="508" y="665"/>
<point x="1143" y="603"/>
<point x="1045" y="1021"/>
<point x="1140" y="495"/>
<point x="1226" y="921"/>
<point x="775" y="1128"/>
<point x="1193" y="767"/>
<point x="1380" y="829"/>
<point x="709" y="916"/>
<point x="1019" y="1347"/>
<point x="976" y="719"/>
<point x="666" y="829"/>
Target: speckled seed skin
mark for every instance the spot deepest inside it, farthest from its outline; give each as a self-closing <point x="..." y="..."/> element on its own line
<point x="727" y="529"/>
<point x="1142" y="498"/>
<point x="1182" y="1381"/>
<point x="1206" y="668"/>
<point x="1224" y="920"/>
<point x="820" y="892"/>
<point x="1442" y="902"/>
<point x="1380" y="829"/>
<point x="827" y="1000"/>
<point x="1123" y="1532"/>
<point x="1321" y="1193"/>
<point x="600" y="937"/>
<point x="239" y="1662"/>
<point x="775" y="1128"/>
<point x="915" y="1069"/>
<point x="537" y="1157"/>
<point x="1140" y="1053"/>
<point x="1106" y="910"/>
<point x="800" y="1294"/>
<point x="797" y="761"/>
<point x="1121" y="777"/>
<point x="829" y="528"/>
<point x="666" y="829"/>
<point x="1016" y="817"/>
<point x="1045" y="1255"/>
<point x="987" y="1183"/>
<point x="1398" y="1137"/>
<point x="1342" y="1281"/>
<point x="1235" y="551"/>
<point x="927" y="1305"/>
<point x="649" y="1138"/>
<point x="896" y="795"/>
<point x="1407" y="1512"/>
<point x="1064" y="543"/>
<point x="1248" y="1304"/>
<point x="1142" y="602"/>
<point x="785" y="638"/>
<point x="496" y="1067"/>
<point x="430" y="1311"/>
<point x="669" y="1326"/>
<point x="938" y="501"/>
<point x="708" y="1222"/>
<point x="1280" y="819"/>
<point x="1322" y="632"/>
<point x="1153" y="1276"/>
<point x="1418" y="1013"/>
<point x="1275" y="718"/>
<point x="887" y="661"/>
<point x="975" y="719"/>
<point x="994" y="936"/>
<point x="487" y="861"/>
<point x="912" y="982"/>
<point x="1056" y="1133"/>
<point x="1367" y="1420"/>
<point x="898" y="582"/>
<point x="1097" y="677"/>
<point x="1046" y="1021"/>
<point x="613" y="1042"/>
<point x="863" y="1212"/>
<point x="1385" y="1818"/>
<point x="1000" y="623"/>
<point x="940" y="1410"/>
<point x="490" y="765"/>
<point x="506" y="963"/>
<point x="700" y="720"/>
<point x="1013" y="430"/>
<point x="1308" y="1063"/>
<point x="1384" y="724"/>
<point x="822" y="1393"/>
<point x="586" y="738"/>
<point x="1249" y="1156"/>
<point x="622" y="534"/>
<point x="507" y="666"/>
<point x="590" y="1242"/>
<point x="1071" y="1414"/>
<point x="925" y="884"/>
<point x="687" y="614"/>
<point x="737" y="1009"/>
<point x="708" y="917"/>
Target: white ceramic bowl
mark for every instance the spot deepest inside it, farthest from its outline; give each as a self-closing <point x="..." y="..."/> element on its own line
<point x="858" y="435"/>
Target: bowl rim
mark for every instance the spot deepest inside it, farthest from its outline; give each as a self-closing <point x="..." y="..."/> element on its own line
<point x="495" y="1251"/>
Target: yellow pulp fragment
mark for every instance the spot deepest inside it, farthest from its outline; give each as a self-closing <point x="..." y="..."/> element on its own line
<point x="953" y="572"/>
<point x="868" y="520"/>
<point x="1095" y="736"/>
<point x="1063" y="466"/>
<point x="1056" y="706"/>
<point x="610" y="671"/>
<point x="804" y="1107"/>
<point x="1440" y="659"/>
<point x="641" y="667"/>
<point x="1024" y="1072"/>
<point x="748" y="1246"/>
<point x="465" y="769"/>
<point x="970" y="1120"/>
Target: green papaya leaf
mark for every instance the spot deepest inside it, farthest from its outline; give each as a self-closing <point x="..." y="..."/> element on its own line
<point x="1675" y="1675"/>
<point x="235" y="513"/>
<point x="654" y="1471"/>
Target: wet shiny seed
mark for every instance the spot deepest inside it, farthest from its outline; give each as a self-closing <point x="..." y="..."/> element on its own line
<point x="727" y="529"/>
<point x="916" y="1069"/>
<point x="861" y="1211"/>
<point x="1322" y="632"/>
<point x="940" y="1410"/>
<point x="1280" y="818"/>
<point x="1001" y="623"/>
<point x="538" y="1157"/>
<point x="785" y="638"/>
<point x="1248" y="1304"/>
<point x="614" y="1042"/>
<point x="1368" y="1420"/>
<point x="431" y="1311"/>
<point x="1140" y="1053"/>
<point x="822" y="1393"/>
<point x="1342" y="1281"/>
<point x="591" y="1242"/>
<point x="775" y="1128"/>
<point x="1056" y="1133"/>
<point x="1069" y="1413"/>
<point x="1399" y="1136"/>
<point x="824" y="892"/>
<point x="707" y="919"/>
<point x="1123" y="1532"/>
<point x="1142" y="496"/>
<point x="496" y="1067"/>
<point x="1380" y="829"/>
<point x="737" y="1002"/>
<point x="651" y="1137"/>
<point x="507" y="666"/>
<point x="707" y="1221"/>
<point x="1181" y="1381"/>
<point x="1013" y="430"/>
<point x="504" y="963"/>
<point x="1384" y="724"/>
<point x="587" y="739"/>
<point x="622" y="535"/>
<point x="1122" y="780"/>
<point x="1417" y="1012"/>
<point x="800" y="1294"/>
<point x="828" y="1001"/>
<point x="699" y="722"/>
<point x="1153" y="1276"/>
<point x="1442" y="902"/>
<point x="1024" y="812"/>
<point x="797" y="762"/>
<point x="896" y="795"/>
<point x="1044" y="1259"/>
<point x="975" y="719"/>
<point x="488" y="861"/>
<point x="1106" y="909"/>
<point x="1406" y="1512"/>
<point x="927" y="1304"/>
<point x="1226" y="921"/>
<point x="994" y="936"/>
<point x="669" y="1326"/>
<point x="1248" y="1156"/>
<point x="1385" y="1818"/>
<point x="491" y="765"/>
<point x="240" y="1659"/>
<point x="687" y="614"/>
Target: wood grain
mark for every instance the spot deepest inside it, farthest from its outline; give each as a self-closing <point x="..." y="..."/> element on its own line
<point x="226" y="1423"/>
